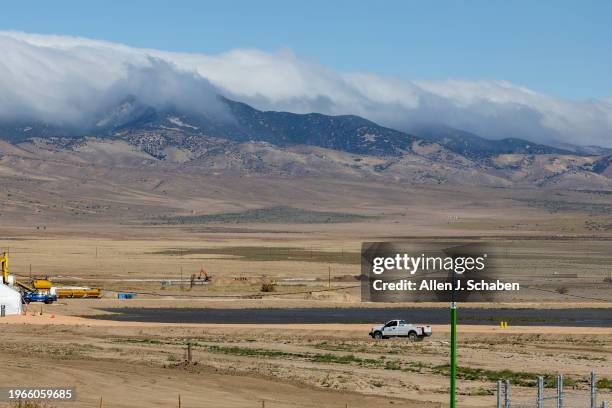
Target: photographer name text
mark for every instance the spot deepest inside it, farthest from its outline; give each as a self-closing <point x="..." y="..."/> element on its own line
<point x="435" y="285"/>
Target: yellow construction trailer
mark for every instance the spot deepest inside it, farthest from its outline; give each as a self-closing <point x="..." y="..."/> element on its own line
<point x="77" y="292"/>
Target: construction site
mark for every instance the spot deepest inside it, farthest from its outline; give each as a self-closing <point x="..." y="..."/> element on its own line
<point x="170" y="316"/>
<point x="15" y="294"/>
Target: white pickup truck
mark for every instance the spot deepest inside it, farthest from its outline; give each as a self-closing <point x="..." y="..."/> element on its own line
<point x="399" y="328"/>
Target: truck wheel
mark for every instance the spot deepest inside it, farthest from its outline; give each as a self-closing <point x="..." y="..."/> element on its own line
<point x="412" y="336"/>
<point x="378" y="335"/>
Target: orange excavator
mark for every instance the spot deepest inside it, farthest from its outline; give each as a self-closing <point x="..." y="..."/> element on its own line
<point x="204" y="275"/>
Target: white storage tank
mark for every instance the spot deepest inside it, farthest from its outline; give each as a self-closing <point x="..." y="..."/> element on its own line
<point x="10" y="299"/>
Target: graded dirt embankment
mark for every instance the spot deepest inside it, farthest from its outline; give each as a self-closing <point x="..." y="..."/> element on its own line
<point x="52" y="319"/>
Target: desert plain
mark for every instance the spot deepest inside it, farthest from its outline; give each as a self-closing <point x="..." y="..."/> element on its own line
<point x="129" y="240"/>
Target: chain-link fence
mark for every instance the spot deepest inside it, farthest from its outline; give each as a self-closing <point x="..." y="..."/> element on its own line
<point x="557" y="397"/>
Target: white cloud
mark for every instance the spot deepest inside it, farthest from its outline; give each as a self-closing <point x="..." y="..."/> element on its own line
<point x="64" y="79"/>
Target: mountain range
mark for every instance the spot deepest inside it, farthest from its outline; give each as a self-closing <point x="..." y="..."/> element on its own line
<point x="243" y="140"/>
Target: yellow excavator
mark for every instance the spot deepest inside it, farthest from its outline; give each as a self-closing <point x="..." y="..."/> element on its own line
<point x="40" y="290"/>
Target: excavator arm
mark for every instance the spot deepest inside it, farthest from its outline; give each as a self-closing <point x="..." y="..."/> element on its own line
<point x="24" y="286"/>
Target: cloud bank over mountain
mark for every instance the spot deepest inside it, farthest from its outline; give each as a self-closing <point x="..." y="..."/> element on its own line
<point x="72" y="81"/>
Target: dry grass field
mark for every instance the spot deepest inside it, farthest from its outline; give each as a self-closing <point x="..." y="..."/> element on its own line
<point x="138" y="364"/>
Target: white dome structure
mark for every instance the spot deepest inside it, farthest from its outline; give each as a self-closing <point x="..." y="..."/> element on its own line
<point x="10" y="299"/>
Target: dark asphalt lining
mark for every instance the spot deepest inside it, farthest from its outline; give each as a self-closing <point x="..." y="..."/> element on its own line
<point x="522" y="317"/>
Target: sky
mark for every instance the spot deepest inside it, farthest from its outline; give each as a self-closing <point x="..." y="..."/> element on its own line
<point x="562" y="48"/>
<point x="538" y="70"/>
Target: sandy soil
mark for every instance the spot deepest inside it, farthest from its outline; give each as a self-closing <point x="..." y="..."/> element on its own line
<point x="124" y="385"/>
<point x="34" y="318"/>
<point x="142" y="364"/>
<point x="138" y="364"/>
